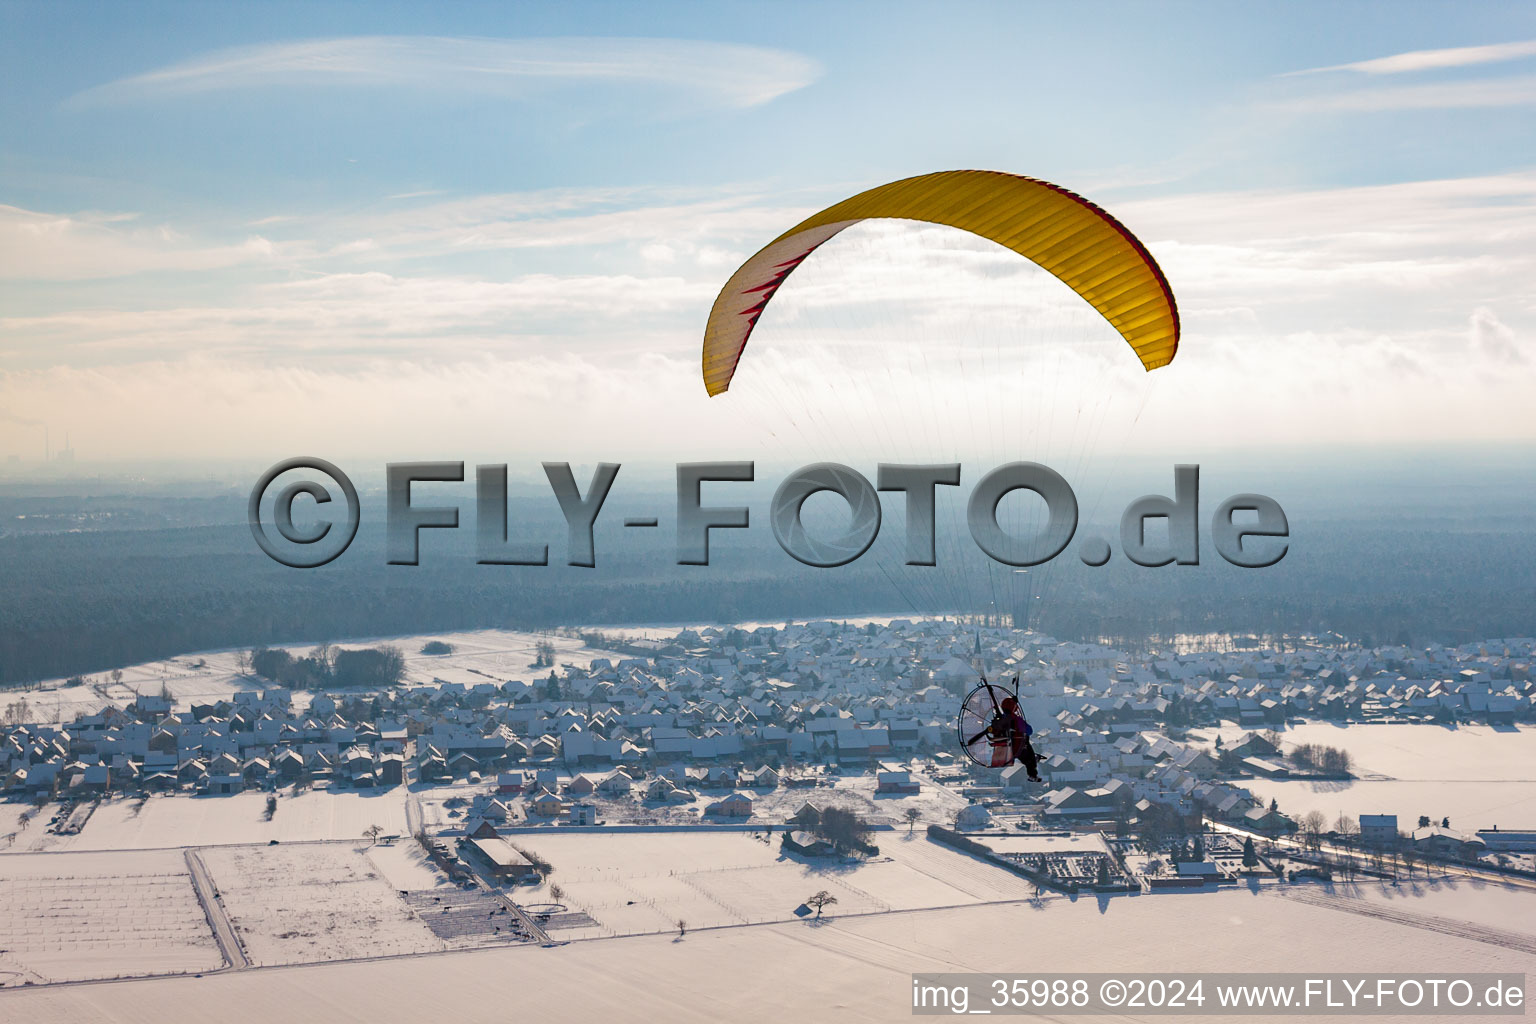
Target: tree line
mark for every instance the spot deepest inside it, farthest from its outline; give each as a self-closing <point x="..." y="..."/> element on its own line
<point x="327" y="667"/>
<point x="76" y="603"/>
<point x="1332" y="760"/>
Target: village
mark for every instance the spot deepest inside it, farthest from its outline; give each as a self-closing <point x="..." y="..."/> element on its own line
<point x="538" y="788"/>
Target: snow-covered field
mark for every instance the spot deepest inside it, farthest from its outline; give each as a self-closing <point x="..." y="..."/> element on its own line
<point x="1024" y="842"/>
<point x="18" y="820"/>
<point x="314" y="901"/>
<point x="176" y="820"/>
<point x="404" y="865"/>
<point x="855" y="969"/>
<point x="933" y="802"/>
<point x="665" y="631"/>
<point x="1469" y="805"/>
<point x="1414" y="751"/>
<point x="67" y="917"/>
<point x="1476" y="775"/>
<point x="493" y="655"/>
<point x="1451" y="898"/>
<point x="645" y="882"/>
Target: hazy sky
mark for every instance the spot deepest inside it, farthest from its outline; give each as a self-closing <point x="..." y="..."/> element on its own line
<point x="252" y="231"/>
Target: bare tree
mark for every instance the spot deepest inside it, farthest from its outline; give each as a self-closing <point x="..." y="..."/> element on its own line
<point x="820" y="902"/>
<point x="372" y="833"/>
<point x="1408" y="854"/>
<point x="16" y="712"/>
<point x="844" y="829"/>
<point x="1313" y="823"/>
<point x="556" y="894"/>
<point x="911" y="815"/>
<point x="682" y="927"/>
<point x="1347" y="829"/>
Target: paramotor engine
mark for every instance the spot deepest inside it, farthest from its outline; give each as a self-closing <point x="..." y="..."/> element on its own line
<point x="986" y="731"/>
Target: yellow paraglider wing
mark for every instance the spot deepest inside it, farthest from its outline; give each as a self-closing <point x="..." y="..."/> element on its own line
<point x="1090" y="251"/>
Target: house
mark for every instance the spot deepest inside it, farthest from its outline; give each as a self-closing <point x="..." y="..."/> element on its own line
<point x="1267" y="768"/>
<point x="479" y="828"/>
<point x="1378" y="829"/>
<point x="659" y="788"/>
<point x="390" y="770"/>
<point x="1508" y="840"/>
<point x="499" y="858"/>
<point x="1202" y="869"/>
<point x="1254" y="745"/>
<point x="807" y="814"/>
<point x="895" y="783"/>
<point x="255" y="771"/>
<point x="807" y="844"/>
<point x="224" y="764"/>
<point x="737" y="805"/>
<point x="490" y="809"/>
<point x="763" y="778"/>
<point x="614" y="785"/>
<point x="223" y="785"/>
<point x="583" y="814"/>
<point x="546" y="806"/>
<point x="1016" y="779"/>
<point x="722" y="778"/>
<point x="973" y="816"/>
<point x="1448" y="843"/>
<point x="94" y="779"/>
<point x="288" y="765"/>
<point x="1070" y="802"/>
<point x="462" y="764"/>
<point x="1261" y="819"/>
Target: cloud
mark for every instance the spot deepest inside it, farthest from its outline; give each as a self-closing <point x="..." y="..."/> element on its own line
<point x="552" y="405"/>
<point x="1493" y="339"/>
<point x="42" y="246"/>
<point x="1513" y="91"/>
<point x="345" y="317"/>
<point x="7" y="416"/>
<point x="723" y="74"/>
<point x="1337" y="310"/>
<point x="1430" y="60"/>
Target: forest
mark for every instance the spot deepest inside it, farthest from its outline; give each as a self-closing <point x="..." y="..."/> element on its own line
<point x="86" y="600"/>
